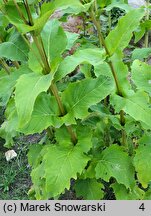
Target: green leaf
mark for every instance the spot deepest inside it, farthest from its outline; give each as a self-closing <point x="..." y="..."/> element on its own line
<point x="141" y="53"/>
<point x="47" y="9"/>
<point x="121" y="72"/>
<point x="121" y="35"/>
<point x="17" y="39"/>
<point x="134" y="104"/>
<point x="34" y="154"/>
<point x="28" y="87"/>
<point x="103" y="69"/>
<point x="103" y="3"/>
<point x="121" y="193"/>
<point x="90" y="171"/>
<point x="45" y="113"/>
<point x="12" y="51"/>
<point x="84" y="136"/>
<point x="72" y="37"/>
<point x="147" y="195"/>
<point x="89" y="189"/>
<point x="81" y="95"/>
<point x="139" y="32"/>
<point x="59" y="166"/>
<point x="54" y="39"/>
<point x="93" y="56"/>
<point x="120" y="5"/>
<point x="116" y="163"/>
<point x="73" y="6"/>
<point x="6" y="86"/>
<point x="141" y="75"/>
<point x="142" y="164"/>
<point x="145" y="139"/>
<point x="8" y="129"/>
<point x="7" y="83"/>
<point x="12" y="14"/>
<point x="34" y="60"/>
<point x="63" y="132"/>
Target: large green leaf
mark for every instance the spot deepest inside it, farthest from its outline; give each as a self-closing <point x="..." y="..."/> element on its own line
<point x="141" y="53"/>
<point x="34" y="60"/>
<point x="59" y="165"/>
<point x="16" y="38"/>
<point x="147" y="195"/>
<point x="121" y="193"/>
<point x="45" y="114"/>
<point x="141" y="75"/>
<point x="33" y="154"/>
<point x="117" y="4"/>
<point x="116" y="163"/>
<point x="134" y="104"/>
<point x="54" y="39"/>
<point x="72" y="37"/>
<point x="142" y="162"/>
<point x="84" y="137"/>
<point x="12" y="51"/>
<point x="81" y="95"/>
<point x="73" y="6"/>
<point x="121" y="35"/>
<point x="8" y="129"/>
<point x="28" y="87"/>
<point x="93" y="56"/>
<point x="89" y="189"/>
<point x="7" y="83"/>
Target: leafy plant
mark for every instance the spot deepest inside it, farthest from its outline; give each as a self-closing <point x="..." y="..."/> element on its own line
<point x="95" y="113"/>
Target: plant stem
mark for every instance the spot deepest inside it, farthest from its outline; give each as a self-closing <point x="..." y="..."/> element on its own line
<point x="124" y="137"/>
<point x="54" y="90"/>
<point x="50" y="133"/>
<point x="103" y="43"/>
<point x="16" y="64"/>
<point x="72" y="134"/>
<point x="37" y="39"/>
<point x="42" y="54"/>
<point x="5" y="66"/>
<point x="23" y="36"/>
<point x="110" y="22"/>
<point x="47" y="69"/>
<point x="30" y="47"/>
<point x="122" y="118"/>
<point x="20" y="12"/>
<point x="146" y="42"/>
<point x="31" y="22"/>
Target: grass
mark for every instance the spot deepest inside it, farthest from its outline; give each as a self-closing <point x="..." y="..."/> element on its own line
<point x="15" y="174"/>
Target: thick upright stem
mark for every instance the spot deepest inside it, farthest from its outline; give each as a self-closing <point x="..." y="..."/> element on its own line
<point x="103" y="43"/>
<point x="28" y="13"/>
<point x="109" y="21"/>
<point x="146" y="42"/>
<point x="5" y="66"/>
<point x="42" y="54"/>
<point x="16" y="64"/>
<point x="47" y="69"/>
<point x="33" y="51"/>
<point x="20" y="12"/>
<point x="55" y="93"/>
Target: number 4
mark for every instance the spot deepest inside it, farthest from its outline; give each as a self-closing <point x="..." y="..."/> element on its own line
<point x="142" y="207"/>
